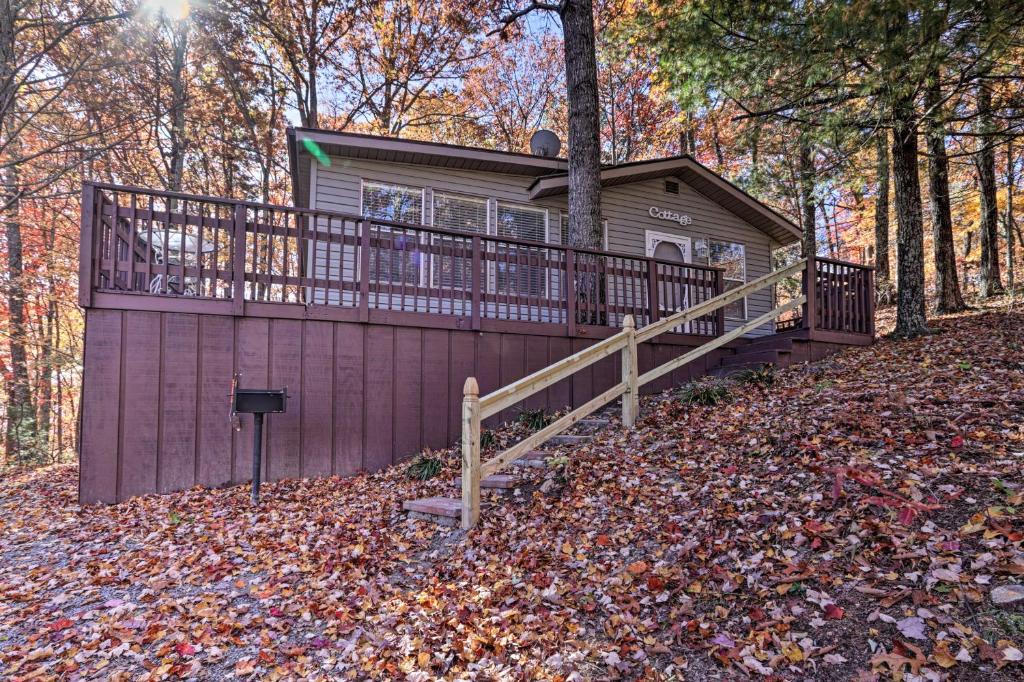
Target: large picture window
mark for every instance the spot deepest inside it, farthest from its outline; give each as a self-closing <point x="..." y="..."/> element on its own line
<point x="394" y="256"/>
<point x="452" y="263"/>
<point x="733" y="258"/>
<point x="515" y="276"/>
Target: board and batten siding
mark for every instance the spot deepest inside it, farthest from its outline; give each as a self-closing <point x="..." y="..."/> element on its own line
<point x="625" y="209"/>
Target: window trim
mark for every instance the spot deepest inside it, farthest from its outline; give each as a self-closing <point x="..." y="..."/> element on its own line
<point x="421" y="272"/>
<point x="545" y="292"/>
<point x="434" y="192"/>
<point x="422" y="190"/>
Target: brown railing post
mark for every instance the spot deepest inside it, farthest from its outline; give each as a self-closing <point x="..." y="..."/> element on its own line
<point x="470" y="453"/>
<point x="652" y="291"/>
<point x="810" y="291"/>
<point x="720" y="313"/>
<point x="238" y="261"/>
<point x="570" y="292"/>
<point x="871" y="301"/>
<point x="364" y="270"/>
<point x="86" y="246"/>
<point x="478" y="283"/>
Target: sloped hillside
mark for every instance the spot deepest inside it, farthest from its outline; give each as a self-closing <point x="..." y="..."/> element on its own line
<point x="861" y="517"/>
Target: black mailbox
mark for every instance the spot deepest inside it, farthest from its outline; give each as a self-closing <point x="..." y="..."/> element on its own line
<point x="251" y="400"/>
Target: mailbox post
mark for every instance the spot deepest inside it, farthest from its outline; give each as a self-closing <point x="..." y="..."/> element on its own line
<point x="258" y="402"/>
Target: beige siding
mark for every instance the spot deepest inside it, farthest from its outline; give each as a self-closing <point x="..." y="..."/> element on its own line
<point x="625" y="208"/>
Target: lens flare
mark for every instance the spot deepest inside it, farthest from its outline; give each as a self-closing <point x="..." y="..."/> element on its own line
<point x="314" y="149"/>
<point x="176" y="10"/>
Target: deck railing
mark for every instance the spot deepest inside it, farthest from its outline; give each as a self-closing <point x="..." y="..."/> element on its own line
<point x="191" y="253"/>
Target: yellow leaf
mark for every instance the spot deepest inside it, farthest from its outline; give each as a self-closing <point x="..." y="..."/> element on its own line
<point x="423" y="658"/>
<point x="793" y="652"/>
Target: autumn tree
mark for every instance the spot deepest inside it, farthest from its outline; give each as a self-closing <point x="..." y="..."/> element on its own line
<point x="580" y="57"/>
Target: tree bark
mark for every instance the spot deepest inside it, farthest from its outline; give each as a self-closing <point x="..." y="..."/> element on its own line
<point x="910" y="304"/>
<point x="20" y="430"/>
<point x="985" y="160"/>
<point x="947" y="285"/>
<point x="882" y="276"/>
<point x="584" y="125"/>
<point x="1011" y="181"/>
<point x="807" y="204"/>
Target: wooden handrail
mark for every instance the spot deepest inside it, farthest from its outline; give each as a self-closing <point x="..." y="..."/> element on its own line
<point x="517" y="391"/>
<point x="476" y="408"/>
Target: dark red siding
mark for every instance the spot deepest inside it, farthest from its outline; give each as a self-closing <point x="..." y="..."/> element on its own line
<point x="361" y="396"/>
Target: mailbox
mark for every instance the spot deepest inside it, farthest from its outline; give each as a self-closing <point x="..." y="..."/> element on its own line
<point x="251" y="400"/>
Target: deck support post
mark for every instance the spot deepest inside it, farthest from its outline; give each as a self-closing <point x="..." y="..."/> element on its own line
<point x="238" y="261"/>
<point x="365" y="228"/>
<point x="470" y="453"/>
<point x="630" y="374"/>
<point x="809" y="287"/>
<point x="86" y="246"/>
<point x="720" y="313"/>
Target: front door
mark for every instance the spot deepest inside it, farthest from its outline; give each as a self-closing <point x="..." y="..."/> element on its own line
<point x="672" y="295"/>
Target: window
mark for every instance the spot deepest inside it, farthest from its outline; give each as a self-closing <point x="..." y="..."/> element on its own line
<point x="732" y="257"/>
<point x="392" y="202"/>
<point x="514" y="276"/>
<point x="394" y="256"/>
<point x="452" y="260"/>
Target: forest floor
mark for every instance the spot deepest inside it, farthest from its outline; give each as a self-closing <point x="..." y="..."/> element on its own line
<point x="860" y="518"/>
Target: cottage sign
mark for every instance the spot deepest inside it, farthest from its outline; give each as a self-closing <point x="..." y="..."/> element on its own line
<point x="663" y="214"/>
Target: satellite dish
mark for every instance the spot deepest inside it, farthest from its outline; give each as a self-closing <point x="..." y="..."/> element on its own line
<point x="545" y="143"/>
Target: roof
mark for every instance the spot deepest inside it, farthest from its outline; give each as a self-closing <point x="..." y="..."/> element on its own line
<point x="551" y="173"/>
<point x="694" y="174"/>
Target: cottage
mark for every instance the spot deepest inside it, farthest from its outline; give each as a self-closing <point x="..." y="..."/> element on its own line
<point x="672" y="209"/>
<point x="403" y="268"/>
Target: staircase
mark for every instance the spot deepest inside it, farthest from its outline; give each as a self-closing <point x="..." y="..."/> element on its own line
<point x="778" y="350"/>
<point x="447" y="511"/>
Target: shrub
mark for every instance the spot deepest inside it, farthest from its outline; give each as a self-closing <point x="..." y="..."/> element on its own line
<point x="535" y="420"/>
<point x="487" y="439"/>
<point x="758" y="376"/>
<point x="424" y="467"/>
<point x="709" y="393"/>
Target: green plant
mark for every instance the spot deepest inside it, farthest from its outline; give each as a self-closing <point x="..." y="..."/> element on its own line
<point x="535" y="420"/>
<point x="424" y="467"/>
<point x="704" y="393"/>
<point x="822" y="385"/>
<point x="487" y="439"/>
<point x="757" y="376"/>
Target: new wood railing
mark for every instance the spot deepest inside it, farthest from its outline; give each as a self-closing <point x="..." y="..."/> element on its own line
<point x="476" y="408"/>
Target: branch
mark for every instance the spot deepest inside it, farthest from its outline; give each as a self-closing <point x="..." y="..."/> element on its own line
<point x="510" y="19"/>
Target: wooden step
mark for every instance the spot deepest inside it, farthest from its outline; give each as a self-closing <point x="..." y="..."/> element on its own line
<point x="593" y="423"/>
<point x="731" y="370"/>
<point x="446" y="511"/>
<point x="767" y="343"/>
<point x="569" y="439"/>
<point x="535" y="458"/>
<point x="494" y="481"/>
<point x="763" y="357"/>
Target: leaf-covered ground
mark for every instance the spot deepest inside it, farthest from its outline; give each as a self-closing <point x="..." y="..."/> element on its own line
<point x="856" y="520"/>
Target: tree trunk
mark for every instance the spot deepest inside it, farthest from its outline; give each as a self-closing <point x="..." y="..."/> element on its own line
<point x="882" y="276"/>
<point x="584" y="147"/>
<point x="807" y="206"/>
<point x="1011" y="180"/>
<point x="910" y="305"/>
<point x="178" y="86"/>
<point x="947" y="285"/>
<point x="20" y="429"/>
<point x="584" y="125"/>
<point x="985" y="160"/>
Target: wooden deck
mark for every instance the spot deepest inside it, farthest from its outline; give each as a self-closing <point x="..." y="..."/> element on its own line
<point x="184" y="292"/>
